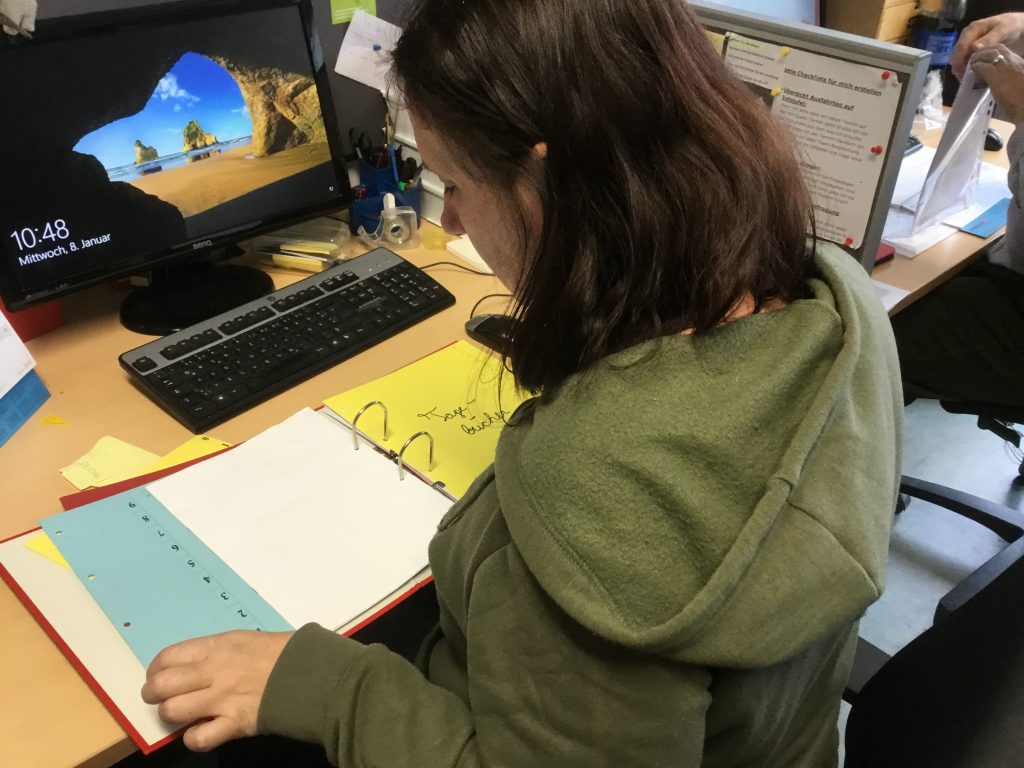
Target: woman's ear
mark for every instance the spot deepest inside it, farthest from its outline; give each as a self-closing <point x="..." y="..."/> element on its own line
<point x="540" y="150"/>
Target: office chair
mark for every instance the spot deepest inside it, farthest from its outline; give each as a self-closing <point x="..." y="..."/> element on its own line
<point x="1005" y="522"/>
<point x="993" y="418"/>
<point x="954" y="696"/>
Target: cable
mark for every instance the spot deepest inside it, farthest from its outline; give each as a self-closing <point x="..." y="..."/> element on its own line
<point x="458" y="266"/>
<point x="482" y="299"/>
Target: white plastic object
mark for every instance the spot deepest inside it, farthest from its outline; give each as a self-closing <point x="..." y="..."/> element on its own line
<point x="463" y="248"/>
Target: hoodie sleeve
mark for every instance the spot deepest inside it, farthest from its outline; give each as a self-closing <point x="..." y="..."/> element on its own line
<point x="542" y="691"/>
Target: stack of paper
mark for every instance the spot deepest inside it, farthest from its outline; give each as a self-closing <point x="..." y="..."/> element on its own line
<point x="21" y="390"/>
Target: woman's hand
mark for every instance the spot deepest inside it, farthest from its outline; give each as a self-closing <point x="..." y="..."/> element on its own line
<point x="218" y="680"/>
<point x="1003" y="70"/>
<point x="1005" y="29"/>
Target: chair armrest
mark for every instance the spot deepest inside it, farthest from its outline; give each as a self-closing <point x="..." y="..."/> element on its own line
<point x="1006" y="523"/>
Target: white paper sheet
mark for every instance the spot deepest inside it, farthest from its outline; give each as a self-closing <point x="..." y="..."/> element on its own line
<point x="913" y="172"/>
<point x="889" y="294"/>
<point x="956" y="168"/>
<point x="898" y="233"/>
<point x="366" y="49"/>
<point x="15" y="359"/>
<point x="320" y="530"/>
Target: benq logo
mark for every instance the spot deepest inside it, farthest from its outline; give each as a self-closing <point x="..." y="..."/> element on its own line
<point x="202" y="244"/>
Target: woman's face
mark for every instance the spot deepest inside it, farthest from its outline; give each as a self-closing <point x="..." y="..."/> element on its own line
<point x="473" y="208"/>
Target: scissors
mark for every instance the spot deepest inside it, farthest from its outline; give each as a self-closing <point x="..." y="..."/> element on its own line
<point x="8" y="22"/>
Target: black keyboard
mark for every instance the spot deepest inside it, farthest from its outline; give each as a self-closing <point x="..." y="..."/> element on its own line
<point x="220" y="367"/>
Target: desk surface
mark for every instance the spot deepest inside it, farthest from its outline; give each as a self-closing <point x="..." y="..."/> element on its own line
<point x="48" y="716"/>
<point x="943" y="260"/>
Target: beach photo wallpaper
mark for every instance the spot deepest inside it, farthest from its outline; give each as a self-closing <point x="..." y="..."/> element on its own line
<point x="138" y="141"/>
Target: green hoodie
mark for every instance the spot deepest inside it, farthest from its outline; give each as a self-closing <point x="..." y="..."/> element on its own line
<point x="665" y="566"/>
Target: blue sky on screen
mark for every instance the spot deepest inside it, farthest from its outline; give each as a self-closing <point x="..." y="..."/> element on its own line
<point x="195" y="89"/>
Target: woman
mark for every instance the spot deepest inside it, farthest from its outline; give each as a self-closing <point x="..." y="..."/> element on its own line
<point x="965" y="340"/>
<point x="667" y="562"/>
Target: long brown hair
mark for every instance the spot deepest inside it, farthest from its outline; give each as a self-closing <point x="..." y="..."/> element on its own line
<point x="669" y="193"/>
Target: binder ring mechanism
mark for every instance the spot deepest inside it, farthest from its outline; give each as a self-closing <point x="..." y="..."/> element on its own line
<point x="355" y="419"/>
<point x="399" y="457"/>
<point x="430" y="455"/>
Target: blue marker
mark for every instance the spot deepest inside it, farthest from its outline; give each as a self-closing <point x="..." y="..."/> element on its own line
<point x="394" y="162"/>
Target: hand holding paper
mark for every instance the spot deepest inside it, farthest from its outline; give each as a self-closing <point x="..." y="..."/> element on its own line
<point x="1003" y="70"/>
<point x="1006" y="29"/>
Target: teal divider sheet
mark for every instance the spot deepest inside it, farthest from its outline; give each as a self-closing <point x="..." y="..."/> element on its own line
<point x="157" y="583"/>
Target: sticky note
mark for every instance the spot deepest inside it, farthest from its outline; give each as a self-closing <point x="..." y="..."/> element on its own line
<point x="990" y="221"/>
<point x="43" y="545"/>
<point x="194" y="448"/>
<point x="110" y="460"/>
<point x="342" y="10"/>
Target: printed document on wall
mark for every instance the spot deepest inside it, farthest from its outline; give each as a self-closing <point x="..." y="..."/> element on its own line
<point x="840" y="114"/>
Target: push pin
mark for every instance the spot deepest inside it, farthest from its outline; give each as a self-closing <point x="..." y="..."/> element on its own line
<point x="776" y="91"/>
<point x="785" y="52"/>
<point x="886" y="75"/>
<point x="877" y="150"/>
<point x="848" y="242"/>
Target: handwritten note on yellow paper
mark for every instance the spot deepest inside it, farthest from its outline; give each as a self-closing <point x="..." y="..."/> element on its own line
<point x="452" y="394"/>
<point x="194" y="448"/>
<point x="108" y="461"/>
<point x="43" y="545"/>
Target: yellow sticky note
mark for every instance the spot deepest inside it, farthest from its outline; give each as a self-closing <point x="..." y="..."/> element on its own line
<point x="43" y="545"/>
<point x="109" y="461"/>
<point x="717" y="40"/>
<point x="194" y="448"/>
<point x="452" y="394"/>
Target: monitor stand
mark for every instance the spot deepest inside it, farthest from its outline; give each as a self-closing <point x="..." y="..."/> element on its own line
<point x="180" y="296"/>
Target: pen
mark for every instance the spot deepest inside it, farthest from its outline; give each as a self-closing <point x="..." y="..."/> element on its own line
<point x="394" y="162"/>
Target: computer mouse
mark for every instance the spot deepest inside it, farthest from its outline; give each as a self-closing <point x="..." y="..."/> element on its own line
<point x="993" y="141"/>
<point x="493" y="331"/>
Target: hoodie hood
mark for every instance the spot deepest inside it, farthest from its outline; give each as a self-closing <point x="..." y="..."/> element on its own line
<point x="723" y="500"/>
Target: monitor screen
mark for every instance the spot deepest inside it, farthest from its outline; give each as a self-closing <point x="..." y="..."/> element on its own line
<point x="148" y="136"/>
<point x="803" y="11"/>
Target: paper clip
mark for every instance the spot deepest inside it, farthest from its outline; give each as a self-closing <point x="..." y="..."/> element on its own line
<point x="430" y="455"/>
<point x="355" y="433"/>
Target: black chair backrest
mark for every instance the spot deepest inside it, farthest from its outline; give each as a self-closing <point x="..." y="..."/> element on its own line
<point x="954" y="696"/>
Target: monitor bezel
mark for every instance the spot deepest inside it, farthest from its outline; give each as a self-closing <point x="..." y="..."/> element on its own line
<point x="55" y="30"/>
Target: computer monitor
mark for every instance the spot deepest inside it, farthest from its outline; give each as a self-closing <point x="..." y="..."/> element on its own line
<point x="149" y="141"/>
<point x="801" y="11"/>
<point x="848" y="102"/>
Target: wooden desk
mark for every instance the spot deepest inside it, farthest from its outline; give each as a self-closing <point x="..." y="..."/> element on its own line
<point x="48" y="716"/>
<point x="943" y="260"/>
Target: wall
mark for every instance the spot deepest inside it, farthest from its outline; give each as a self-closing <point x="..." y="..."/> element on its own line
<point x="355" y="105"/>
